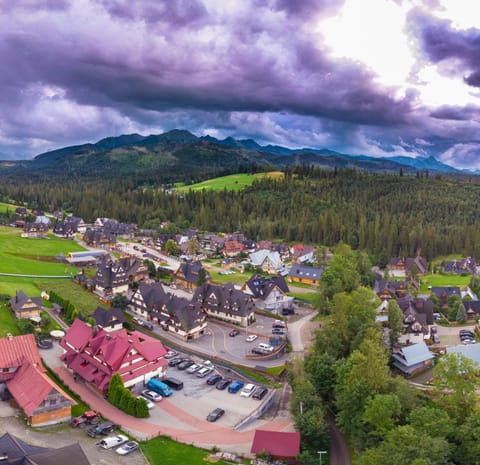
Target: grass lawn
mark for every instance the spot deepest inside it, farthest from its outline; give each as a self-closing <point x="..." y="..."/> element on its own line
<point x="165" y="451"/>
<point x="85" y="301"/>
<point x="233" y="182"/>
<point x="7" y="206"/>
<point x="308" y="297"/>
<point x="236" y="278"/>
<point x="443" y="280"/>
<point x="8" y="324"/>
<point x="34" y="256"/>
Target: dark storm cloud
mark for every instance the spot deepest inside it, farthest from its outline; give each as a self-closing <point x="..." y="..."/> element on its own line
<point x="440" y="41"/>
<point x="457" y="113"/>
<point x="306" y="8"/>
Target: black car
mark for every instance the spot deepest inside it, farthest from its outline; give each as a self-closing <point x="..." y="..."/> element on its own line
<point x="260" y="393"/>
<point x="214" y="379"/>
<point x="185" y="364"/>
<point x="278" y="331"/>
<point x="101" y="429"/>
<point x="234" y="332"/>
<point x="173" y="362"/>
<point x="466" y="332"/>
<point x="221" y="385"/>
<point x="287" y="311"/>
<point x="215" y="414"/>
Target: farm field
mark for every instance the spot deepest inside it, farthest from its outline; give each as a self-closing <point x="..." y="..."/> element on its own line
<point x="233" y="182"/>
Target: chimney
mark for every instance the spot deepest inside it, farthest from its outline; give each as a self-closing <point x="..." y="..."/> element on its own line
<point x="9" y="336"/>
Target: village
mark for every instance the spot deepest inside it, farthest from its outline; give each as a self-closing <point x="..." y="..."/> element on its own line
<point x="211" y="304"/>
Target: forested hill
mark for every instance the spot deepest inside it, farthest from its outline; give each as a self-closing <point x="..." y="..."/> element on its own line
<point x="179" y="155"/>
<point x="386" y="215"/>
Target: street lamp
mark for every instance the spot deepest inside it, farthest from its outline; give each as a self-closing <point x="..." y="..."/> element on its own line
<point x="320" y="453"/>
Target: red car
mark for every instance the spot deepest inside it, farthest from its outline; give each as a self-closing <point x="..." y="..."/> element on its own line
<point x="88" y="418"/>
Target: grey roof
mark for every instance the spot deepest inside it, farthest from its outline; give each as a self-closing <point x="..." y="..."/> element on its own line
<point x="416" y="353"/>
<point x="18" y="452"/>
<point x="224" y="298"/>
<point x="471" y="351"/>
<point x="105" y="317"/>
<point x="181" y="312"/>
<point x="304" y="271"/>
<point x="20" y="299"/>
<point x="261" y="287"/>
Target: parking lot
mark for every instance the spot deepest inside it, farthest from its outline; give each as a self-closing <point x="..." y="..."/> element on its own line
<point x="199" y="399"/>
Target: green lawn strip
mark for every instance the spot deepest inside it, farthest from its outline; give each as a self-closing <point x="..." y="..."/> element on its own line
<point x="8" y="323"/>
<point x="308" y="297"/>
<point x="85" y="301"/>
<point x="235" y="278"/>
<point x="276" y="371"/>
<point x="4" y="207"/>
<point x="438" y="280"/>
<point x="165" y="451"/>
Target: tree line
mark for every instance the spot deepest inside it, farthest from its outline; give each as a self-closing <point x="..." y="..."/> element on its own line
<point x="385" y="215"/>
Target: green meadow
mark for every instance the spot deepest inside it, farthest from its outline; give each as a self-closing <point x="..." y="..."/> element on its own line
<point x="438" y="280"/>
<point x="232" y="182"/>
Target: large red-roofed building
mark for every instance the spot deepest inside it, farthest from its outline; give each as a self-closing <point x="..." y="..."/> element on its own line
<point x="95" y="355"/>
<point x="23" y="375"/>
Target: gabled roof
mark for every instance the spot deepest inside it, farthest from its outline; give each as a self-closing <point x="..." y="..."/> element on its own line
<point x="190" y="271"/>
<point x="14" y="350"/>
<point x="261" y="287"/>
<point x="181" y="312"/>
<point x="105" y="317"/>
<point x="258" y="258"/>
<point x="416" y="353"/>
<point x="30" y="387"/>
<point x="276" y="443"/>
<point x="224" y="298"/>
<point x="306" y="272"/>
<point x="19" y="452"/>
<point x="21" y="299"/>
<point x="77" y="336"/>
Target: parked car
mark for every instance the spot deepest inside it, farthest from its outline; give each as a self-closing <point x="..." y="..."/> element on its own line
<point x="101" y="429"/>
<point x="260" y="393"/>
<point x="278" y="331"/>
<point x="150" y="404"/>
<point x="235" y="387"/>
<point x="174" y="383"/>
<point x="215" y="414"/>
<point x="151" y="395"/>
<point x="175" y="361"/>
<point x="204" y="372"/>
<point x="88" y="418"/>
<point x="147" y="325"/>
<point x="279" y="324"/>
<point x="159" y="387"/>
<point x="222" y="384"/>
<point x="185" y="364"/>
<point x="214" y="379"/>
<point x="192" y="369"/>
<point x="112" y="441"/>
<point x="251" y="337"/>
<point x="127" y="448"/>
<point x="247" y="391"/>
<point x="259" y="351"/>
<point x="287" y="311"/>
<point x="234" y="332"/>
<point x="170" y="354"/>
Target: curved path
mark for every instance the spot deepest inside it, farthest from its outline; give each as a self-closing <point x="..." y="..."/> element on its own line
<point x="195" y="431"/>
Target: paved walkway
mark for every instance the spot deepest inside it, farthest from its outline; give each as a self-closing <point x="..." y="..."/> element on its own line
<point x="200" y="432"/>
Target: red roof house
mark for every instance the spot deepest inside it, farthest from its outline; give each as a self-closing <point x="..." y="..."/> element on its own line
<point x="278" y="444"/>
<point x="95" y="355"/>
<point x="22" y="373"/>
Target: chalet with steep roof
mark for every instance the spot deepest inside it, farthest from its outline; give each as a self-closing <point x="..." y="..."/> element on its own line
<point x="187" y="275"/>
<point x="99" y="238"/>
<point x="268" y="261"/>
<point x="183" y="318"/>
<point x="26" y="307"/>
<point x="225" y="302"/>
<point x="268" y="293"/>
<point x="111" y="278"/>
<point x="23" y="376"/>
<point x="35" y="230"/>
<point x="445" y="292"/>
<point x="109" y="320"/>
<point x="413" y="359"/>
<point x="95" y="355"/>
<point x="233" y="248"/>
<point x="147" y="298"/>
<point x="402" y="266"/>
<point x="466" y="265"/>
<point x="388" y="290"/>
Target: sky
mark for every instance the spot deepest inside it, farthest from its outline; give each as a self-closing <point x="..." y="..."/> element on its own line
<point x="369" y="77"/>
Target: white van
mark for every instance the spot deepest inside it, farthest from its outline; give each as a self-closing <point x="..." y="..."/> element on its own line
<point x="265" y="347"/>
<point x="112" y="441"/>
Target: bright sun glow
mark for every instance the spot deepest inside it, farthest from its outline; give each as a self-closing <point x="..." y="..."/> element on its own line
<point x="372" y="33"/>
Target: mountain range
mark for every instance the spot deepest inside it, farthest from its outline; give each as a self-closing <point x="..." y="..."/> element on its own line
<point x="179" y="155"/>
